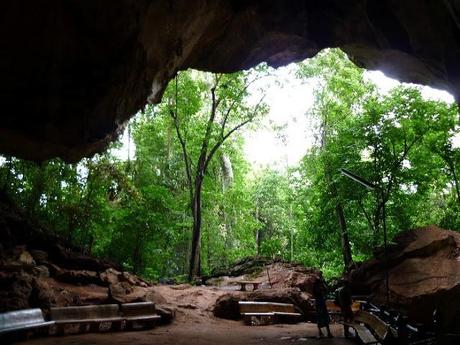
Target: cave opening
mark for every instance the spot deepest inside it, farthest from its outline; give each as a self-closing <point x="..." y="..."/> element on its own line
<point x="92" y="69"/>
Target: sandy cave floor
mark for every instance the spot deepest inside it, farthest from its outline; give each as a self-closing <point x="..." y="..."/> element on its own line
<point x="221" y="332"/>
<point x="195" y="325"/>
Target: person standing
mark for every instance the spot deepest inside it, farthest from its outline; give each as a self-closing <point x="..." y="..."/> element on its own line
<point x="344" y="300"/>
<point x="322" y="316"/>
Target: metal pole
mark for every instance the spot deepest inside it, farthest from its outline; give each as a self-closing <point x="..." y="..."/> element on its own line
<point x="379" y="190"/>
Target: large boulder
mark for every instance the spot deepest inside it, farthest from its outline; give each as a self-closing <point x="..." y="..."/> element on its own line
<point x="248" y="265"/>
<point x="227" y="307"/>
<point x="69" y="258"/>
<point x="78" y="277"/>
<point x="42" y="295"/>
<point x="15" y="291"/>
<point x="270" y="273"/>
<point x="167" y="313"/>
<point x="124" y="292"/>
<point x="110" y="276"/>
<point x="424" y="275"/>
<point x="40" y="256"/>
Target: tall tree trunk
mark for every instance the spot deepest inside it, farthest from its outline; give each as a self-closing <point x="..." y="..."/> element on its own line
<point x="196" y="232"/>
<point x="38" y="186"/>
<point x="258" y="233"/>
<point x="378" y="220"/>
<point x="137" y="253"/>
<point x="345" y="241"/>
<point x="455" y="178"/>
<point x="346" y="249"/>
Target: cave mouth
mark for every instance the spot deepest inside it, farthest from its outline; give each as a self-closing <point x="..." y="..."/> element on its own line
<point x="282" y="153"/>
<point x="289" y="100"/>
<point x="134" y="208"/>
<point x="75" y="73"/>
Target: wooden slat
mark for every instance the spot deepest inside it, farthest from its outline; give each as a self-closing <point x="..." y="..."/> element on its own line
<point x="91" y="312"/>
<point x="138" y="309"/>
<point x="363" y="333"/>
<point x="258" y="314"/>
<point x="288" y="314"/>
<point x="21" y="317"/>
<point x="22" y="320"/>
<point x="265" y="307"/>
<point x="374" y="322"/>
<point x="143" y="318"/>
<point x="27" y="327"/>
<point x="95" y="320"/>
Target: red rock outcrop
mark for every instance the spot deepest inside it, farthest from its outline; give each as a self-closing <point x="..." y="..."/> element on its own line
<point x="424" y="274"/>
<point x="227" y="307"/>
<point x="280" y="281"/>
<point x="25" y="285"/>
<point x="74" y="73"/>
<point x="270" y="273"/>
<point x="39" y="270"/>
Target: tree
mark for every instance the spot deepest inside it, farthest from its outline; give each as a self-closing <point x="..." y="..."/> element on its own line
<point x="228" y="112"/>
<point x="272" y="196"/>
<point x="339" y="91"/>
<point x="399" y="141"/>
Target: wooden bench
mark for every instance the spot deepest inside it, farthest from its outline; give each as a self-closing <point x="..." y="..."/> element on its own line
<point x="23" y="320"/>
<point x="268" y="312"/>
<point x="370" y="329"/>
<point x="92" y="315"/>
<point x="142" y="312"/>
<point x="243" y="283"/>
<point x="379" y="327"/>
<point x="363" y="333"/>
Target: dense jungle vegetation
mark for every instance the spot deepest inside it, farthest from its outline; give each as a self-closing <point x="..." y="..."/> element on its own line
<point x="188" y="201"/>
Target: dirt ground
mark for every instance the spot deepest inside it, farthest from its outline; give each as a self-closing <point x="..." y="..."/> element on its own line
<point x="195" y="325"/>
<point x="222" y="332"/>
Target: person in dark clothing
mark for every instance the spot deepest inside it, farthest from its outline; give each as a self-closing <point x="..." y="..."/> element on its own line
<point x="322" y="316"/>
<point x="344" y="300"/>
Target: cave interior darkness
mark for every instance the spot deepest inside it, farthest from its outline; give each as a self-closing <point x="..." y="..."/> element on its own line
<point x="75" y="72"/>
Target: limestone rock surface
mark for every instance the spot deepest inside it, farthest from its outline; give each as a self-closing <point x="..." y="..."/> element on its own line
<point x="74" y="73"/>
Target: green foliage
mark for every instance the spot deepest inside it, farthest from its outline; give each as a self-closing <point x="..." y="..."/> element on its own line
<point x="137" y="211"/>
<point x="407" y="141"/>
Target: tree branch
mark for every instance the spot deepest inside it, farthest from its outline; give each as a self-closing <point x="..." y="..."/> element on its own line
<point x="236" y="99"/>
<point x="188" y="169"/>
<point x="207" y="136"/>
<point x="233" y="130"/>
<point x="366" y="214"/>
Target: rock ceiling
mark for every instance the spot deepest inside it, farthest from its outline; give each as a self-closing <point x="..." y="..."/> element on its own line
<point x="74" y="72"/>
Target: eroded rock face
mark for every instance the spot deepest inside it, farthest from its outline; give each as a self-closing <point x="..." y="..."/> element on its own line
<point x="37" y="270"/>
<point x="424" y="274"/>
<point x="74" y="73"/>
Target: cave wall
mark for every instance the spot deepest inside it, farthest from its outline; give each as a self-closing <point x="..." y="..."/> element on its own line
<point x="75" y="71"/>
